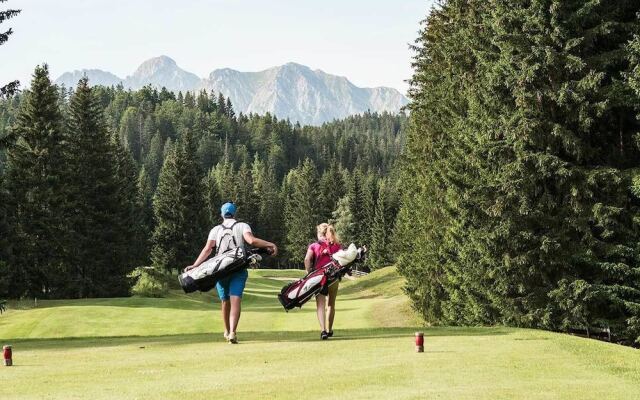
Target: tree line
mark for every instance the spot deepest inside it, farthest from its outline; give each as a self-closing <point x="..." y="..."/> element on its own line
<point x="521" y="181"/>
<point x="96" y="181"/>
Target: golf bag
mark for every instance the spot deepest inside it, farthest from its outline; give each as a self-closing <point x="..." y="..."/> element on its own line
<point x="297" y="293"/>
<point x="205" y="276"/>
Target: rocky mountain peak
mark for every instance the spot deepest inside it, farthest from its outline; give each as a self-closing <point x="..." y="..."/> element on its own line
<point x="155" y="65"/>
<point x="291" y="90"/>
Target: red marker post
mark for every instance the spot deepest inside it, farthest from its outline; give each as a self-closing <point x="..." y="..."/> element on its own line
<point x="419" y="342"/>
<point x="6" y="351"/>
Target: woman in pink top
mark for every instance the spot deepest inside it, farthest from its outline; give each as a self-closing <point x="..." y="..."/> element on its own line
<point x="319" y="255"/>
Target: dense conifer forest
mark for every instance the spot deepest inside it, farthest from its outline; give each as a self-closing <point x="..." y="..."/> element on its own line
<point x="523" y="166"/>
<point x="99" y="180"/>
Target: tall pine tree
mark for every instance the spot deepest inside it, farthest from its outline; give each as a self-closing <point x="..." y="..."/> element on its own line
<point x="127" y="246"/>
<point x="331" y="189"/>
<point x="94" y="200"/>
<point x="179" y="208"/>
<point x="8" y="273"/>
<point x="380" y="254"/>
<point x="301" y="210"/>
<point x="36" y="178"/>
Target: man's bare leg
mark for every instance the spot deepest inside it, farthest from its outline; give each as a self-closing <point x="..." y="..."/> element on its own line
<point x="236" y="303"/>
<point x="226" y="308"/>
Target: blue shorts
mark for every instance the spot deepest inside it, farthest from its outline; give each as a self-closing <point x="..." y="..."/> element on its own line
<point x="232" y="285"/>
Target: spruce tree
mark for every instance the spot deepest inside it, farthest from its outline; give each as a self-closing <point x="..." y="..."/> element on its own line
<point x="189" y="100"/>
<point x="380" y="254"/>
<point x="131" y="126"/>
<point x="357" y="202"/>
<point x="165" y="95"/>
<point x="369" y="195"/>
<point x="180" y="212"/>
<point x="258" y="177"/>
<point x="301" y="211"/>
<point x="245" y="197"/>
<point x="267" y="194"/>
<point x="10" y="279"/>
<point x="145" y="206"/>
<point x="36" y="180"/>
<point x="208" y="151"/>
<point x="229" y="107"/>
<point x="224" y="174"/>
<point x="331" y="189"/>
<point x="212" y="196"/>
<point x="130" y="234"/>
<point x="344" y="221"/>
<point x="153" y="160"/>
<point x="222" y="105"/>
<point x="276" y="159"/>
<point x="149" y="129"/>
<point x="203" y="103"/>
<point x="93" y="188"/>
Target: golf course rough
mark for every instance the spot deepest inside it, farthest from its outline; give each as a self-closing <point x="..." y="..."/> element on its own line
<point x="137" y="348"/>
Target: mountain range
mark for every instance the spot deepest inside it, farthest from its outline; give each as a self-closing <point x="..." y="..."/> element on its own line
<point x="290" y="91"/>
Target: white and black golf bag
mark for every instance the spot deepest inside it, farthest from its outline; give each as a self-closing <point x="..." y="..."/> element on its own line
<point x="205" y="276"/>
<point x="230" y="259"/>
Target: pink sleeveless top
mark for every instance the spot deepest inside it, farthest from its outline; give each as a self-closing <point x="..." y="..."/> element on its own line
<point x="320" y="256"/>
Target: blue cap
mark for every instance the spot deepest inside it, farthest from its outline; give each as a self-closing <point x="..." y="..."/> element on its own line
<point x="228" y="209"/>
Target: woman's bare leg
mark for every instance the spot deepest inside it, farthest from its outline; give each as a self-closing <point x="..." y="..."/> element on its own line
<point x="322" y="315"/>
<point x="331" y="307"/>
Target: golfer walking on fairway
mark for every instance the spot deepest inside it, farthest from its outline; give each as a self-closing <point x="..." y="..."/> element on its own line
<point x="228" y="235"/>
<point x="318" y="255"/>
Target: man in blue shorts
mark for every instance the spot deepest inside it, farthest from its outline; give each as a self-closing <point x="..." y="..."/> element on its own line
<point x="228" y="235"/>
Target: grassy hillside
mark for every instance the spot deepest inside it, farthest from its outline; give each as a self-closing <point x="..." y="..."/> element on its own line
<point x="173" y="349"/>
<point x="384" y="284"/>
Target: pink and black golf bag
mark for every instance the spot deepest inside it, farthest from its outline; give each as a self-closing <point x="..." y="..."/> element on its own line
<point x="295" y="294"/>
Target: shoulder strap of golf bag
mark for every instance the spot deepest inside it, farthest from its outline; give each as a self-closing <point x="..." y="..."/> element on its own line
<point x="328" y="245"/>
<point x="322" y="245"/>
<point x="325" y="245"/>
<point x="227" y="239"/>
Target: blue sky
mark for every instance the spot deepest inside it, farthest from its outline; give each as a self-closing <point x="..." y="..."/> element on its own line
<point x="365" y="40"/>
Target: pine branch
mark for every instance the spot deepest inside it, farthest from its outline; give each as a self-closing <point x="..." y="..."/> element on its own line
<point x="4" y="36"/>
<point x="12" y="87"/>
<point x="8" y="14"/>
<point x="9" y="89"/>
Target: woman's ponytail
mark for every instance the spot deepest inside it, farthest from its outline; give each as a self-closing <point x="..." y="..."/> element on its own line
<point x="332" y="235"/>
<point x="328" y="232"/>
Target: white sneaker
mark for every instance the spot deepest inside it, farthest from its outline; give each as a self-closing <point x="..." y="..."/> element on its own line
<point x="226" y="336"/>
<point x="232" y="338"/>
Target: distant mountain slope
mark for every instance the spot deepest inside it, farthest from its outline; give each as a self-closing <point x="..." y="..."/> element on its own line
<point x="96" y="77"/>
<point x="162" y="71"/>
<point x="291" y="91"/>
<point x="301" y="94"/>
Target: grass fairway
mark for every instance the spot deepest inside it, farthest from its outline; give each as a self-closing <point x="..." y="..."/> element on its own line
<point x="173" y="348"/>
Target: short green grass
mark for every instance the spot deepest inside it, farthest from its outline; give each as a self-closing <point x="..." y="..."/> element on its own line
<point x="173" y="348"/>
